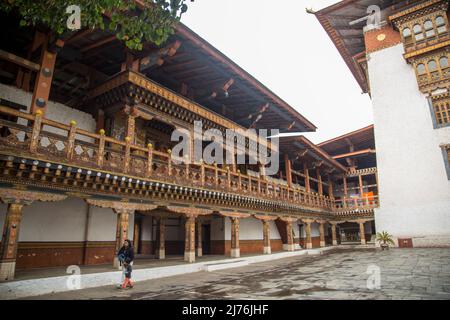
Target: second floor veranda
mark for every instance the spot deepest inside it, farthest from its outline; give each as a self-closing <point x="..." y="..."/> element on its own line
<point x="104" y="163"/>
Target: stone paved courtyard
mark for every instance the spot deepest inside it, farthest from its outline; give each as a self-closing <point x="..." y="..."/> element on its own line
<point x="338" y="274"/>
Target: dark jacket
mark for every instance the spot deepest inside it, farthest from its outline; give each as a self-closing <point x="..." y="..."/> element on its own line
<point x="128" y="254"/>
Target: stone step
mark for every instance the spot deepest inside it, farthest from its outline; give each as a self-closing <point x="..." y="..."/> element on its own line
<point x="226" y="265"/>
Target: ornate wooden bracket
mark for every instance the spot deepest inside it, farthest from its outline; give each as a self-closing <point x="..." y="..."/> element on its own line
<point x="307" y="221"/>
<point x="288" y="219"/>
<point x="27" y="197"/>
<point x="265" y="217"/>
<point x="118" y="206"/>
<point x="189" y="211"/>
<point x="232" y="214"/>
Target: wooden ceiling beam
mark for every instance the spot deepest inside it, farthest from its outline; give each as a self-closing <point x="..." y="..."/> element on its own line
<point x="97" y="44"/>
<point x="157" y="58"/>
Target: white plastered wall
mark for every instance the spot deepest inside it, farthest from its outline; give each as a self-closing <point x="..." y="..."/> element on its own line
<point x="65" y="221"/>
<point x="55" y="111"/>
<point x="315" y="232"/>
<point x="413" y="186"/>
<point x="146" y="231"/>
<point x="251" y="229"/>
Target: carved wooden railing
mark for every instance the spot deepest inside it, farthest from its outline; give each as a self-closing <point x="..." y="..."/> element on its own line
<point x="356" y="203"/>
<point x="33" y="135"/>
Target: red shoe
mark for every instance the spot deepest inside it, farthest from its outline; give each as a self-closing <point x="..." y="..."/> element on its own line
<point x="125" y="283"/>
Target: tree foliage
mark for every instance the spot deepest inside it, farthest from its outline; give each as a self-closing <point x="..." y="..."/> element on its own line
<point x="154" y="22"/>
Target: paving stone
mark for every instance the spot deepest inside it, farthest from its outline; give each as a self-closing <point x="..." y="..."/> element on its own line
<point x="405" y="274"/>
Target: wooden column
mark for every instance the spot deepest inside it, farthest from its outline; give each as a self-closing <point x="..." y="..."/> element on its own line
<point x="235" y="250"/>
<point x="43" y="80"/>
<point x="362" y="236"/>
<point x="100" y="124"/>
<point x="322" y="233"/>
<point x="330" y="188"/>
<point x="308" y="234"/>
<point x="345" y="192"/>
<point x="8" y="248"/>
<point x="136" y="235"/>
<point x="289" y="246"/>
<point x="189" y="239"/>
<point x="199" y="239"/>
<point x="333" y="233"/>
<point x="288" y="166"/>
<point x="361" y="190"/>
<point x="319" y="183"/>
<point x="266" y="237"/>
<point x="121" y="232"/>
<point x="161" y="250"/>
<point x="86" y="233"/>
<point x="262" y="171"/>
<point x="131" y="113"/>
<point x="306" y="172"/>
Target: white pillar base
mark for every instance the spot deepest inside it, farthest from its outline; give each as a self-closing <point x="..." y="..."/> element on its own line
<point x="288" y="247"/>
<point x="7" y="270"/>
<point x="335" y="243"/>
<point x="199" y="252"/>
<point x="363" y="241"/>
<point x="309" y="245"/>
<point x="189" y="256"/>
<point x="322" y="243"/>
<point x="267" y="250"/>
<point x="235" y="253"/>
<point x="161" y="254"/>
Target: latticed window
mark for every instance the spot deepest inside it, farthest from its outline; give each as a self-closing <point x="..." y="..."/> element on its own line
<point x="429" y="29"/>
<point x="442" y="111"/>
<point x="418" y="32"/>
<point x="440" y="24"/>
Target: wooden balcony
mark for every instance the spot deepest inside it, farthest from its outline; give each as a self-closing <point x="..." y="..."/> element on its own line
<point x="74" y="147"/>
<point x="105" y="164"/>
<point x="355" y="206"/>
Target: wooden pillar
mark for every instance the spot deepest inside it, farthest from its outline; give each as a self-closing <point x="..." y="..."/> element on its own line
<point x="266" y="237"/>
<point x="100" y="120"/>
<point x="319" y="183"/>
<point x="161" y="251"/>
<point x="330" y="188"/>
<point x="322" y="233"/>
<point x="43" y="80"/>
<point x="333" y="234"/>
<point x="308" y="234"/>
<point x="289" y="246"/>
<point x="362" y="236"/>
<point x="86" y="233"/>
<point x="235" y="250"/>
<point x="189" y="239"/>
<point x="199" y="239"/>
<point x="131" y="124"/>
<point x="121" y="232"/>
<point x="288" y="167"/>
<point x="345" y="192"/>
<point x="136" y="236"/>
<point x="8" y="248"/>
<point x="306" y="172"/>
<point x="262" y="171"/>
<point x="361" y="190"/>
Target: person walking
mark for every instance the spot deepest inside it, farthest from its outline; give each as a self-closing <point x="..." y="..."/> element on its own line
<point x="126" y="257"/>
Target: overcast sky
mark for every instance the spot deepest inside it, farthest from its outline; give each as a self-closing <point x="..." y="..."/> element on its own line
<point x="287" y="50"/>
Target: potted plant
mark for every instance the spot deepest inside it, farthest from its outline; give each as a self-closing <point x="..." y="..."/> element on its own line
<point x="384" y="239"/>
